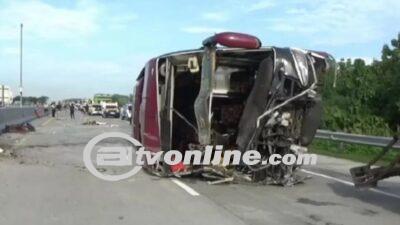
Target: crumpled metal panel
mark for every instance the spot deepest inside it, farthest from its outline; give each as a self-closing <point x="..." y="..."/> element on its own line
<point x="256" y="103"/>
<point x="301" y="65"/>
<point x="288" y="62"/>
<point x="202" y="104"/>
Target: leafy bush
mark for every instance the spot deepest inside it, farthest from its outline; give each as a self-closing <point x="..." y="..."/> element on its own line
<point x="365" y="99"/>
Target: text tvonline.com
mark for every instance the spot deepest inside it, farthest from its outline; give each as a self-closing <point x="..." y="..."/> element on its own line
<point x="217" y="156"/>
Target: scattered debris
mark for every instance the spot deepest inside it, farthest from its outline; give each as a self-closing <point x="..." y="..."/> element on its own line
<point x="96" y="123"/>
<point x="93" y="122"/>
<point x="368" y="175"/>
<point x="7" y="151"/>
<point x="20" y="128"/>
<point x="225" y="180"/>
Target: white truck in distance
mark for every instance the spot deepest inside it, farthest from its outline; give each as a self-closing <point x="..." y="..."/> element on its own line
<point x="110" y="109"/>
<point x="6" y="96"/>
<point x="95" y="109"/>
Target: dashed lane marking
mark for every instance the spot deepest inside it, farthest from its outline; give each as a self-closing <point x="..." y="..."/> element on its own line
<point x="47" y="122"/>
<point x="185" y="187"/>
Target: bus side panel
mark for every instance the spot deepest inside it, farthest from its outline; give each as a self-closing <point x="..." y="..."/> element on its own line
<point x="148" y="111"/>
<point x="136" y="108"/>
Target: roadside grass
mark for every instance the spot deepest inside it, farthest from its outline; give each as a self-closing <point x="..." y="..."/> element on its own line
<point x="354" y="152"/>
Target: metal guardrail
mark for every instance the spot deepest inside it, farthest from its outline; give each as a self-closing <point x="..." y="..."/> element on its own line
<point x="18" y="115"/>
<point x="17" y="106"/>
<point x="377" y="141"/>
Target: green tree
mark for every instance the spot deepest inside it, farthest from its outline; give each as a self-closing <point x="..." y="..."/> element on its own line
<point x="387" y="99"/>
<point x="121" y="99"/>
<point x="348" y="106"/>
<point x="43" y="99"/>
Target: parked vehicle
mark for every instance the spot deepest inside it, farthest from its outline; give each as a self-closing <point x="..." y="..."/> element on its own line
<point x="110" y="109"/>
<point x="95" y="109"/>
<point x="99" y="98"/>
<point x="242" y="96"/>
<point x="6" y="96"/>
<point x="126" y="112"/>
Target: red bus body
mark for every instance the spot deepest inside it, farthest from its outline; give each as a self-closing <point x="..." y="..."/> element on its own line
<point x="136" y="105"/>
<point x="147" y="122"/>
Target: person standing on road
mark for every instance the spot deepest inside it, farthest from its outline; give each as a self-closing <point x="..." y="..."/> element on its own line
<point x="59" y="106"/>
<point x="58" y="109"/>
<point x="87" y="108"/>
<point x="53" y="110"/>
<point x="72" y="110"/>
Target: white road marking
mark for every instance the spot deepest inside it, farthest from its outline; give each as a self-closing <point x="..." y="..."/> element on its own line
<point x="188" y="189"/>
<point x="350" y="183"/>
<point x="47" y="122"/>
<point x="328" y="177"/>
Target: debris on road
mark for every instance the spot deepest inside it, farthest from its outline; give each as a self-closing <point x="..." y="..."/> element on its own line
<point x="93" y="122"/>
<point x="366" y="176"/>
<point x="20" y="128"/>
<point x="225" y="180"/>
<point x="7" y="151"/>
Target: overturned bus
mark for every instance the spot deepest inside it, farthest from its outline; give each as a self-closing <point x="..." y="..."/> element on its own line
<point x="235" y="93"/>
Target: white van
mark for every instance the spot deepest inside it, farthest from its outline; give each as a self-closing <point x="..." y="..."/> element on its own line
<point x="110" y="109"/>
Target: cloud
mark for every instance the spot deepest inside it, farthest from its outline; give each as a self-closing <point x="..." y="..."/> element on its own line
<point x="46" y="21"/>
<point x="296" y="11"/>
<point x="121" y="21"/>
<point x="10" y="51"/>
<point x="261" y="5"/>
<point x="338" y="22"/>
<point x="76" y="77"/>
<point x="202" y="30"/>
<point x="42" y="20"/>
<point x="216" y="16"/>
<point x="95" y="68"/>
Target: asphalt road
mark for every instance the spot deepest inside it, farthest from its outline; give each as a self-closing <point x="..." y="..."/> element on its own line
<point x="44" y="181"/>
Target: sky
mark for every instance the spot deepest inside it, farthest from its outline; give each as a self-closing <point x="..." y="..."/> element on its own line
<point x="79" y="48"/>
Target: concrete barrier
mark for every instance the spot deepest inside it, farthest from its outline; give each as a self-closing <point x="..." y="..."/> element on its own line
<point x="16" y="115"/>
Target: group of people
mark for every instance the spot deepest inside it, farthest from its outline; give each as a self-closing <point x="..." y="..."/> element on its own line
<point x="58" y="107"/>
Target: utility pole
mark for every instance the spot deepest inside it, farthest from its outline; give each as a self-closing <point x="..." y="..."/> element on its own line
<point x="2" y="96"/>
<point x="20" y="67"/>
